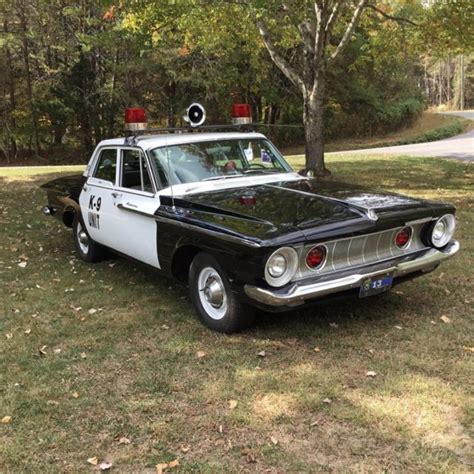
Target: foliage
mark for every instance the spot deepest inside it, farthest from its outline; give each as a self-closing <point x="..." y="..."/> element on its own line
<point x="71" y="67"/>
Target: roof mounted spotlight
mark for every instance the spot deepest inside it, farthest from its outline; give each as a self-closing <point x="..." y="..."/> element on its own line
<point x="195" y="115"/>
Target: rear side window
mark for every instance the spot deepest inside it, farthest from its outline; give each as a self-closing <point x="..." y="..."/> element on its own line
<point x="106" y="165"/>
<point x="135" y="173"/>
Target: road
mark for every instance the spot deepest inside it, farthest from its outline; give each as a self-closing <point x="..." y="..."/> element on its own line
<point x="460" y="147"/>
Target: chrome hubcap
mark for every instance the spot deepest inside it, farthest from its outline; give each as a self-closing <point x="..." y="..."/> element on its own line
<point x="212" y="293"/>
<point x="82" y="239"/>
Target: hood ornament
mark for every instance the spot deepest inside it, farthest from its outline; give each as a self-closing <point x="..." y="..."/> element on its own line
<point x="372" y="215"/>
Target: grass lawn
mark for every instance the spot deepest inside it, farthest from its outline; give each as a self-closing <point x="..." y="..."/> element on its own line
<point x="108" y="361"/>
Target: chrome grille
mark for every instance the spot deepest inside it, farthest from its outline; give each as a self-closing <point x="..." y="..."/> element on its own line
<point x="360" y="250"/>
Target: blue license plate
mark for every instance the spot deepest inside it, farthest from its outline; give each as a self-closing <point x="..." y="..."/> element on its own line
<point x="374" y="285"/>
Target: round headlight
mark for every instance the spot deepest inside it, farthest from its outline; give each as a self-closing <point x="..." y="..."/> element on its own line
<point x="443" y="230"/>
<point x="281" y="266"/>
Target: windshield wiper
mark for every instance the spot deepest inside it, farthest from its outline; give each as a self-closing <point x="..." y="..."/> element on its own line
<point x="260" y="171"/>
<point x="213" y="178"/>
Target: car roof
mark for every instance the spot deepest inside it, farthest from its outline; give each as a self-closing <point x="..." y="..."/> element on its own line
<point x="148" y="142"/>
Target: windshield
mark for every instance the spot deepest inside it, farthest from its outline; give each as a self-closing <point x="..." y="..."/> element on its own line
<point x="218" y="159"/>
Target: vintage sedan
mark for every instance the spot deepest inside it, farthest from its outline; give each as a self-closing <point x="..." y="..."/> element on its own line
<point x="226" y="213"/>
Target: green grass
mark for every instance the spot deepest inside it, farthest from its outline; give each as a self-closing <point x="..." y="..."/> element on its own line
<point x="141" y="378"/>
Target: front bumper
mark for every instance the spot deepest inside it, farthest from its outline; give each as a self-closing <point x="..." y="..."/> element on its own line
<point x="298" y="292"/>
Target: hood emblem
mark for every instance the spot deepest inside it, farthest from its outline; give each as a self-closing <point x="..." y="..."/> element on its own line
<point x="372" y="215"/>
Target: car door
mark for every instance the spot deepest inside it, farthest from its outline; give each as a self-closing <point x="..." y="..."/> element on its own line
<point x="96" y="199"/>
<point x="132" y="225"/>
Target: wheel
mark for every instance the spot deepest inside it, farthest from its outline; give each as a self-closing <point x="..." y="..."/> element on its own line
<point x="88" y="250"/>
<point x="216" y="305"/>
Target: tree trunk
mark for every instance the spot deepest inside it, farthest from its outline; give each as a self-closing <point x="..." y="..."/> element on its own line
<point x="314" y="131"/>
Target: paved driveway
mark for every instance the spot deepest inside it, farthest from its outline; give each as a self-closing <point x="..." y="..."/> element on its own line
<point x="460" y="147"/>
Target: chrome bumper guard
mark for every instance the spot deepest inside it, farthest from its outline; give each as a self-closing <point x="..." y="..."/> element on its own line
<point x="298" y="292"/>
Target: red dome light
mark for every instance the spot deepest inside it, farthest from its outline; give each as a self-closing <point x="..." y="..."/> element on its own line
<point x="316" y="257"/>
<point x="241" y="114"/>
<point x="135" y="118"/>
<point x="402" y="239"/>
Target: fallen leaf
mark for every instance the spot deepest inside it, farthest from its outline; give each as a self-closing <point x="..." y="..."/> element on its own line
<point x="92" y="311"/>
<point x="83" y="355"/>
<point x="232" y="404"/>
<point x="42" y="350"/>
<point x="185" y="448"/>
<point x="262" y="354"/>
<point x="371" y="373"/>
<point x="105" y="466"/>
<point x="124" y="440"/>
<point x="164" y="326"/>
<point x="23" y="264"/>
<point x="200" y="354"/>
<point x="27" y="331"/>
<point x="273" y="440"/>
<point x="75" y="395"/>
<point x="317" y="349"/>
<point x="174" y="463"/>
<point x="314" y="423"/>
<point x="94" y="461"/>
<point x="6" y="420"/>
<point x="251" y="458"/>
<point x="468" y="349"/>
<point x="57" y="351"/>
<point x="9" y="335"/>
<point x="445" y="319"/>
<point x="327" y="400"/>
<point x="334" y="325"/>
<point x="433" y="322"/>
<point x="160" y="467"/>
<point x="398" y="327"/>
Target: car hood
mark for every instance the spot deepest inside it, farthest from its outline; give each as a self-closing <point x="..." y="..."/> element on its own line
<point x="298" y="210"/>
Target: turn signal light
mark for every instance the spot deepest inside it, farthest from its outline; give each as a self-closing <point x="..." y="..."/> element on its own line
<point x="402" y="239"/>
<point x="316" y="257"/>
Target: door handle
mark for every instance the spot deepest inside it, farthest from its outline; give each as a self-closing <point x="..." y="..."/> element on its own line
<point x="115" y="195"/>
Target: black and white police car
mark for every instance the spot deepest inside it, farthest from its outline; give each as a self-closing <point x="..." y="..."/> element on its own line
<point x="225" y="212"/>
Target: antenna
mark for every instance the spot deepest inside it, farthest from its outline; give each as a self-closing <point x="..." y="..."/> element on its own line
<point x="173" y="207"/>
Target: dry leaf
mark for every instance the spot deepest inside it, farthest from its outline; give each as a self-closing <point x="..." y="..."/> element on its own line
<point x="93" y="461"/>
<point x="314" y="423"/>
<point x="124" y="440"/>
<point x="251" y="458"/>
<point x="398" y="327"/>
<point x="174" y="463"/>
<point x="327" y="400"/>
<point x="164" y="326"/>
<point x="9" y="335"/>
<point x="160" y="467"/>
<point x="445" y="319"/>
<point x="433" y="322"/>
<point x="27" y="331"/>
<point x="83" y="355"/>
<point x="262" y="354"/>
<point x="185" y="448"/>
<point x="57" y="351"/>
<point x="371" y="373"/>
<point x="200" y="354"/>
<point x="232" y="404"/>
<point x="334" y="325"/>
<point x="6" y="420"/>
<point x="42" y="350"/>
<point x="75" y="395"/>
<point x="468" y="349"/>
<point x="105" y="466"/>
<point x="273" y="440"/>
<point x="317" y="349"/>
<point x="22" y="264"/>
<point x="92" y="311"/>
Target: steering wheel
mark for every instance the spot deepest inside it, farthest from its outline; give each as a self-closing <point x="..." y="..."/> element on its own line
<point x="257" y="165"/>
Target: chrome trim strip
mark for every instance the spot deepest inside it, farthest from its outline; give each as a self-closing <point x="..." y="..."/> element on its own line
<point x="297" y="293"/>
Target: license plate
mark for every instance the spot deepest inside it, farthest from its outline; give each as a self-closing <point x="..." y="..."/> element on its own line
<point x="374" y="285"/>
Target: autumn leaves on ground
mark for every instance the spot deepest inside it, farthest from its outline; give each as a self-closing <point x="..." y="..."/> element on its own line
<point x="105" y="366"/>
